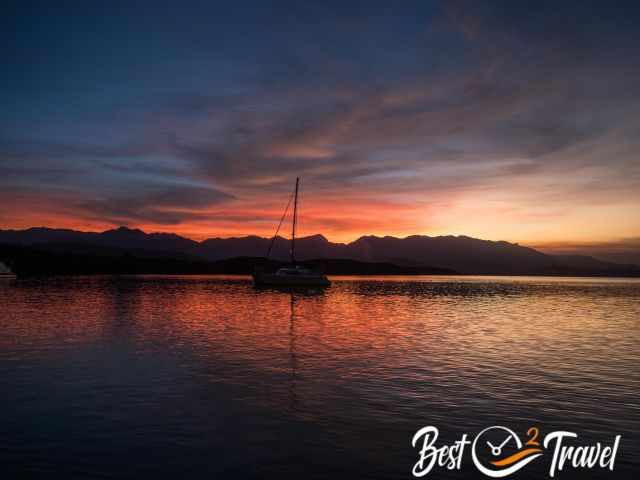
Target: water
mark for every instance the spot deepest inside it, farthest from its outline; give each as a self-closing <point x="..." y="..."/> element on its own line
<point x="182" y="377"/>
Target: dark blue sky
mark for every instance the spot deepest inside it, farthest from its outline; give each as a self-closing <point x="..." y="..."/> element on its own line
<point x="511" y="120"/>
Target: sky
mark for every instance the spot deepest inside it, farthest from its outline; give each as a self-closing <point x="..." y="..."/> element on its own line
<point x="515" y="121"/>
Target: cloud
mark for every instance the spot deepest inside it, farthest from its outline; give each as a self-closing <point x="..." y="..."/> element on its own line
<point x="163" y="205"/>
<point x="518" y="115"/>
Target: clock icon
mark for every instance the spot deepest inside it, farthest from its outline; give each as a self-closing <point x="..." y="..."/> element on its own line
<point x="491" y="461"/>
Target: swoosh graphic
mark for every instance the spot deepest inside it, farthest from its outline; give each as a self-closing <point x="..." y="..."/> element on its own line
<point x="516" y="456"/>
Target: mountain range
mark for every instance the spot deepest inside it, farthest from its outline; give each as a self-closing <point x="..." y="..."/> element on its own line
<point x="459" y="254"/>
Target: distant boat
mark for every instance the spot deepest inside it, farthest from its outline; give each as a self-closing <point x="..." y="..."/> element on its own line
<point x="5" y="272"/>
<point x="293" y="275"/>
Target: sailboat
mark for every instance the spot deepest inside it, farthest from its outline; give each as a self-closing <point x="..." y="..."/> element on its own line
<point x="294" y="275"/>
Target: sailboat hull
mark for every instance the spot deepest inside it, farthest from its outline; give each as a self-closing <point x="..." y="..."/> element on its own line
<point x="301" y="280"/>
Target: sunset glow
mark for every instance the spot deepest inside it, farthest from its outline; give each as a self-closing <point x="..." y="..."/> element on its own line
<point x="486" y="121"/>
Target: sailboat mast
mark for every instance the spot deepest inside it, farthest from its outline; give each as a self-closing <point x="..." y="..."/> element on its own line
<point x="295" y="220"/>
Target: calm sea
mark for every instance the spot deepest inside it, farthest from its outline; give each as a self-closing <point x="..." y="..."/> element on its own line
<point x="206" y="377"/>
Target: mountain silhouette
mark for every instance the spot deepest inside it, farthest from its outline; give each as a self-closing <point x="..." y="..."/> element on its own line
<point x="460" y="254"/>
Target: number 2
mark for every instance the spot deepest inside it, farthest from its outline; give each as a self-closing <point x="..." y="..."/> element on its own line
<point x="533" y="432"/>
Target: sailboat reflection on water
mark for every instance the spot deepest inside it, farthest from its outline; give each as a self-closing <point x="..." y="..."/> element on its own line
<point x="294" y="274"/>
